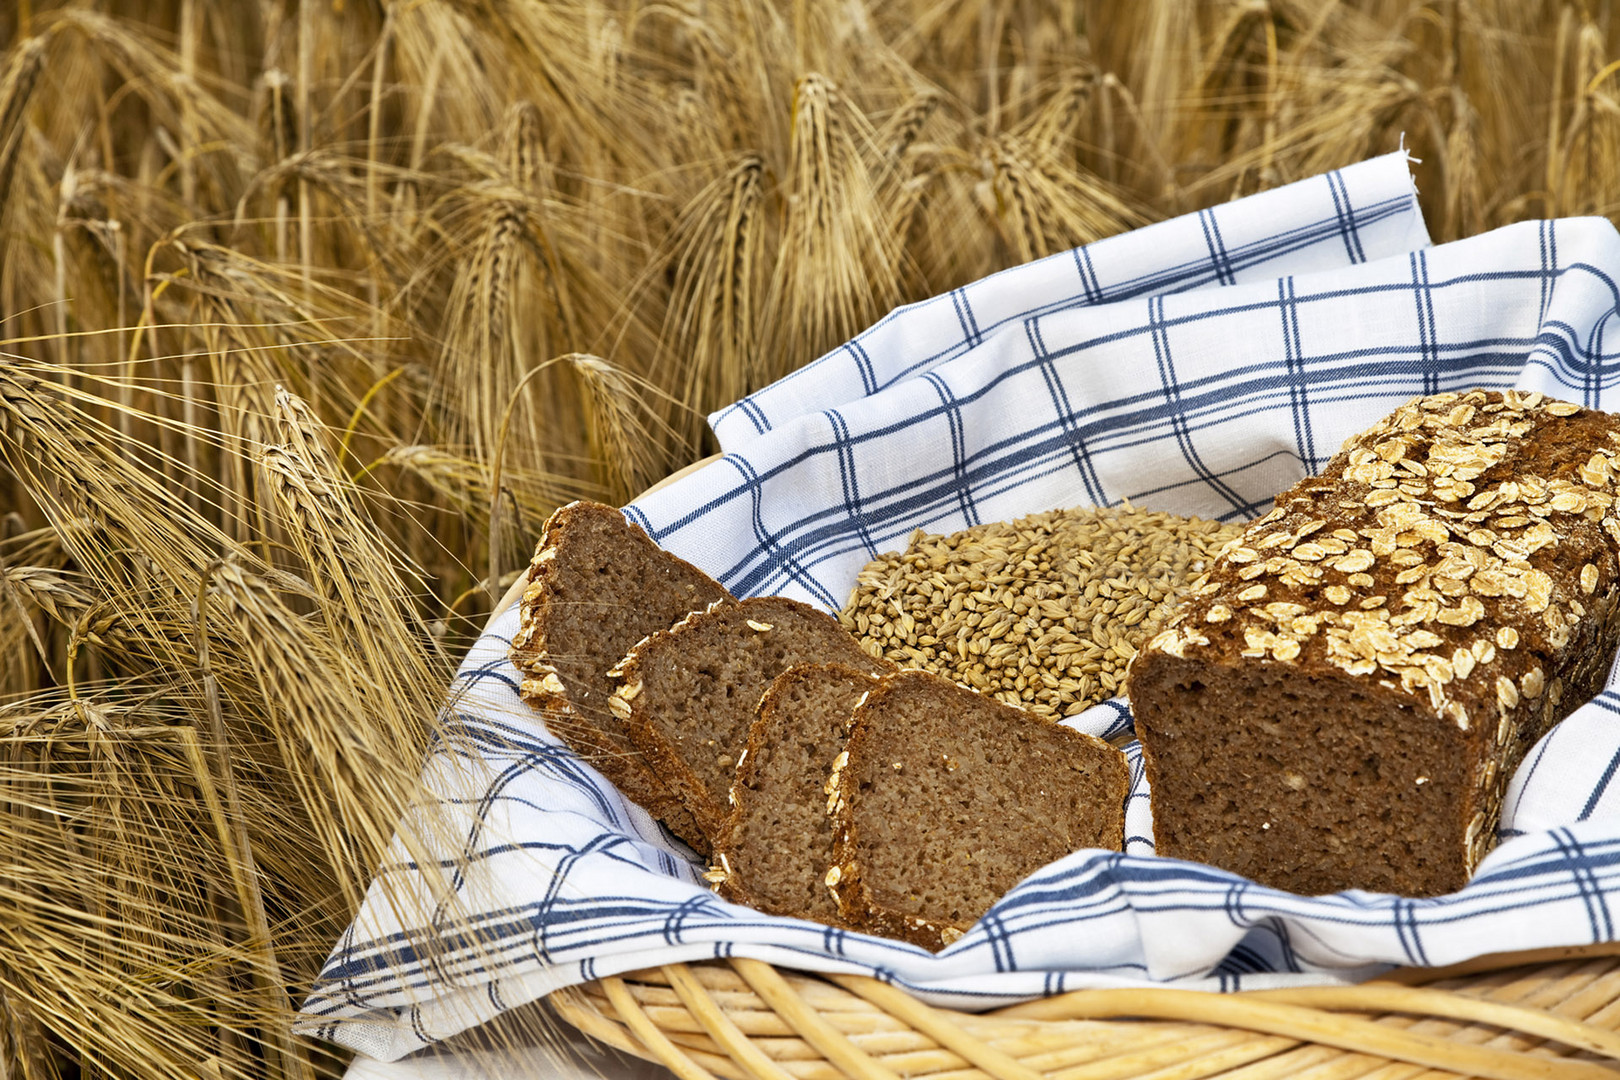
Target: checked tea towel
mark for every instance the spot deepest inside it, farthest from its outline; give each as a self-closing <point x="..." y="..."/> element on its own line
<point x="1199" y="366"/>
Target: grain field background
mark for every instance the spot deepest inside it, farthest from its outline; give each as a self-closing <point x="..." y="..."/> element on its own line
<point x="310" y="312"/>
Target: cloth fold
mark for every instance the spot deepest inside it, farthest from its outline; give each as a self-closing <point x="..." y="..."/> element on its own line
<point x="1361" y="213"/>
<point x="1216" y="383"/>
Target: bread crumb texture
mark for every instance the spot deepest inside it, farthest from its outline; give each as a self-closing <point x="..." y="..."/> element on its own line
<point x="988" y="794"/>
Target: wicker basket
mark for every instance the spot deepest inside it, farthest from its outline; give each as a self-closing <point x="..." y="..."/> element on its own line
<point x="1554" y="1013"/>
<point x="1550" y="1013"/>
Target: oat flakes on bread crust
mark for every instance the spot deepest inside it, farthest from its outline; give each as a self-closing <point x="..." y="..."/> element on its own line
<point x="598" y="585"/>
<point x="1342" y="703"/>
<point x="688" y="694"/>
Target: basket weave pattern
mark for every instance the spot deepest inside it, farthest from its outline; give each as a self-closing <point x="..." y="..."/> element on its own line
<point x="1547" y="1014"/>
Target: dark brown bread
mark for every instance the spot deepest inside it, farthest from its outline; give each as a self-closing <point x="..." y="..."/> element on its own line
<point x="597" y="585"/>
<point x="1342" y="703"/>
<point x="775" y="847"/>
<point x="948" y="798"/>
<point x="688" y="694"/>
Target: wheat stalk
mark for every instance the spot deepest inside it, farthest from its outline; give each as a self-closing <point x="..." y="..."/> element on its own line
<point x="508" y="255"/>
<point x="16" y="87"/>
<point x="718" y="259"/>
<point x="837" y="267"/>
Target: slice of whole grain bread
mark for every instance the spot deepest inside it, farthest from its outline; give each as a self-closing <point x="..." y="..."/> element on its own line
<point x="597" y="585"/>
<point x="774" y="849"/>
<point x="688" y="694"/>
<point x="948" y="798"/>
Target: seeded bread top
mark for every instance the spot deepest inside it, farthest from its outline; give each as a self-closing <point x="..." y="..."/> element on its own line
<point x="1447" y="550"/>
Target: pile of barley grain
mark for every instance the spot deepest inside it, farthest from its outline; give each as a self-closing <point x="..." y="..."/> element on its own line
<point x="1043" y="612"/>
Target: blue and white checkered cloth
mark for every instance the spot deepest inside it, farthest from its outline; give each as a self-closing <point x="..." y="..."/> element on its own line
<point x="1198" y="366"/>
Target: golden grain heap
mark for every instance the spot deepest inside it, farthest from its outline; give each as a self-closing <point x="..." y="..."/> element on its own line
<point x="1045" y="611"/>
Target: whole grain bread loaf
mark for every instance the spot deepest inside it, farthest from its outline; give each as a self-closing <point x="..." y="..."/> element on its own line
<point x="1341" y="704"/>
<point x="947" y="798"/>
<point x="774" y="849"/>
<point x="688" y="694"/>
<point x="597" y="585"/>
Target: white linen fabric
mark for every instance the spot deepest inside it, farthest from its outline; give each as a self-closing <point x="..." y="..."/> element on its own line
<point x="1207" y="400"/>
<point x="1358" y="214"/>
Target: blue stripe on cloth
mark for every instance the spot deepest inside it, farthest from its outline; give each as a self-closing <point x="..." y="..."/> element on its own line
<point x="959" y="452"/>
<point x="1065" y="412"/>
<point x="1294" y="357"/>
<point x="805" y="385"/>
<point x="1091" y="290"/>
<point x="1347" y="217"/>
<point x="1600" y="788"/>
<point x="1163" y="357"/>
<point x="863" y="365"/>
<point x="964" y="314"/>
<point x="1218" y="258"/>
<point x="1549" y="264"/>
<point x="849" y="480"/>
<point x="1406" y="924"/>
<point x="1599" y="920"/>
<point x="765" y="541"/>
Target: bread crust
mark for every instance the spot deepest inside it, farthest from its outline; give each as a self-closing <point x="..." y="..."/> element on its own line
<point x="1342" y="702"/>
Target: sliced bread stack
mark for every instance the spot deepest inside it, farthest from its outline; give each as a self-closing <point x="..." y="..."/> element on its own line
<point x="689" y="694"/>
<point x="597" y="586"/>
<point x="948" y="798"/>
<point x="727" y="719"/>
<point x="906" y="805"/>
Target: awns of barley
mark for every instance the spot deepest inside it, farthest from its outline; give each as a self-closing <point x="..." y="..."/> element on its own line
<point x="16" y="87"/>
<point x="512" y="306"/>
<point x="622" y="438"/>
<point x="68" y="602"/>
<point x="112" y="808"/>
<point x="718" y="261"/>
<point x="366" y="598"/>
<point x="312" y="798"/>
<point x="179" y="103"/>
<point x="461" y="482"/>
<point x="838" y="267"/>
<point x="71" y="464"/>
<point x="1042" y="204"/>
<point x="343" y="783"/>
<point x="502" y="256"/>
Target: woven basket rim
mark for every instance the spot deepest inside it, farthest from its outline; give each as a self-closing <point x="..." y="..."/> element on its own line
<point x="1512" y="1016"/>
